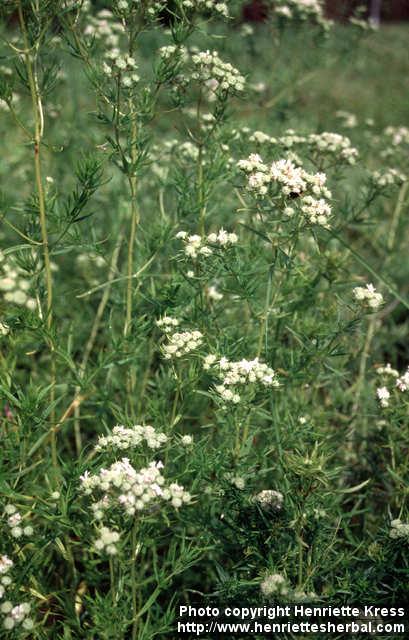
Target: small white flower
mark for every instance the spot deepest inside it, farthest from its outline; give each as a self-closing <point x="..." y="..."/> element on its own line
<point x="402" y="383"/>
<point x="270" y="499"/>
<point x="6" y="606"/>
<point x="214" y="294"/>
<point x="368" y="296"/>
<point x="182" y="343"/>
<point x="399" y="530"/>
<point x="239" y="482"/>
<point x="274" y="583"/>
<point x="383" y="396"/>
<point x="5" y="564"/>
<point x="9" y="509"/>
<point x="239" y="374"/>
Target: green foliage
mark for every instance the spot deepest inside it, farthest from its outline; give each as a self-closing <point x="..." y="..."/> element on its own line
<point x="155" y="271"/>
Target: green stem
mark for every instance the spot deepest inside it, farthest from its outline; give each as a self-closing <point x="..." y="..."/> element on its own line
<point x="38" y="135"/>
<point x="200" y="192"/>
<point x="200" y="177"/>
<point x="129" y="271"/>
<point x="396" y="215"/>
<point x="133" y="580"/>
<point x="93" y="336"/>
<point x="300" y="562"/>
<point x="133" y="183"/>
<point x="112" y="578"/>
<point x="269" y="305"/>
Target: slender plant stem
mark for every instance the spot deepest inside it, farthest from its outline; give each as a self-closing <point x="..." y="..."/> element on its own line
<point x="200" y="192"/>
<point x="363" y="362"/>
<point x="201" y="201"/>
<point x="133" y="184"/>
<point x="145" y="378"/>
<point x="38" y="135"/>
<point x="269" y="304"/>
<point x="131" y="245"/>
<point x="396" y="214"/>
<point x="300" y="560"/>
<point x="93" y="335"/>
<point x="267" y="309"/>
<point x="112" y="578"/>
<point x="133" y="580"/>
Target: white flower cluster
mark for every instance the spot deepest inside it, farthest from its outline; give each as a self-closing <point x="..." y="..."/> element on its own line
<point x="172" y="52"/>
<point x="209" y="5"/>
<point x="401" y="383"/>
<point x="188" y="150"/>
<point x="383" y="396"/>
<point x="152" y="8"/>
<point x="167" y="323"/>
<point x="132" y="490"/>
<point x="294" y="182"/>
<point x="14" y="614"/>
<point x="87" y="260"/>
<point x="274" y="584"/>
<point x="15" y="284"/>
<point x="184" y="150"/>
<point x="398" y="135"/>
<point x="387" y="370"/>
<point x="239" y="374"/>
<point x="130" y="437"/>
<point x="269" y="499"/>
<point x="122" y="5"/>
<point x="103" y="27"/>
<point x="316" y="211"/>
<point x="209" y="67"/>
<point x="5" y="564"/>
<point x="196" y="245"/>
<point x="300" y="9"/>
<point x="181" y="343"/>
<point x="5" y="581"/>
<point x="333" y="143"/>
<point x="222" y="238"/>
<point x="368" y="296"/>
<point x="262" y="138"/>
<point x="349" y="120"/>
<point x="388" y="178"/>
<point x="107" y="541"/>
<point x="213" y="294"/>
<point x="207" y="123"/>
<point x="84" y="5"/>
<point x="258" y="173"/>
<point x="237" y="481"/>
<point x="15" y="521"/>
<point x="121" y="65"/>
<point x="399" y="530"/>
<point x="291" y="138"/>
<point x="363" y="24"/>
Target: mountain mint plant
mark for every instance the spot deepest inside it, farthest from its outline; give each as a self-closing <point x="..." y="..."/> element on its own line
<point x="204" y="314"/>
